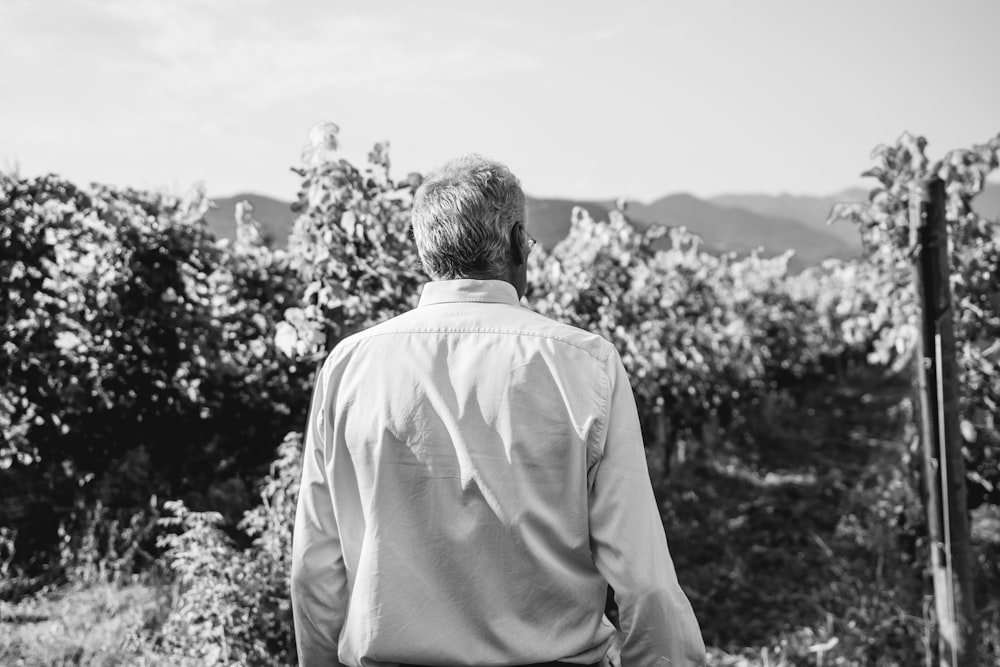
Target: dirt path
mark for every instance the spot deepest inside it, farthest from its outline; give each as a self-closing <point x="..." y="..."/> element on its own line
<point x="781" y="539"/>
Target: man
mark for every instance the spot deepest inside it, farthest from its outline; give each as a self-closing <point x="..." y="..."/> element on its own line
<point x="474" y="474"/>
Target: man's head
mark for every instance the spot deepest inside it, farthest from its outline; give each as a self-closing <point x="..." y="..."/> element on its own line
<point x="468" y="221"/>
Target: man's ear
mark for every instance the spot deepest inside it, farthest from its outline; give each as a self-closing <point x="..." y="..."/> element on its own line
<point x="517" y="253"/>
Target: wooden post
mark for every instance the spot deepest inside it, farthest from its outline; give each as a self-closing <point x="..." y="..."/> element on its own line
<point x="944" y="467"/>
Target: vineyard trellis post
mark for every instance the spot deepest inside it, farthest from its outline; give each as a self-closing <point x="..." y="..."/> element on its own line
<point x="944" y="466"/>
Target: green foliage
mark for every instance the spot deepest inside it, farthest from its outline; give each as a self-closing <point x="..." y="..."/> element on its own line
<point x="706" y="339"/>
<point x="351" y="247"/>
<point x="99" y="625"/>
<point x="803" y="551"/>
<point x="233" y="605"/>
<point x="97" y="545"/>
<point x="974" y="254"/>
<point x="138" y="355"/>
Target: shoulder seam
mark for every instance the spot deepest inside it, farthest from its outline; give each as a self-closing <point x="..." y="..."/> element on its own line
<point x="600" y="434"/>
<point x="605" y="345"/>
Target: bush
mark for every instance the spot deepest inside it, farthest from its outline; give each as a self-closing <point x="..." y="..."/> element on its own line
<point x="351" y="247"/>
<point x="233" y="605"/>
<point x="97" y="545"/>
<point x="138" y="356"/>
<point x="707" y="341"/>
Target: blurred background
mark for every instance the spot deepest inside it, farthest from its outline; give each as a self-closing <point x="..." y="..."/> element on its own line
<point x="199" y="199"/>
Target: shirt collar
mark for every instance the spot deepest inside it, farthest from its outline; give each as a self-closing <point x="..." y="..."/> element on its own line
<point x="467" y="289"/>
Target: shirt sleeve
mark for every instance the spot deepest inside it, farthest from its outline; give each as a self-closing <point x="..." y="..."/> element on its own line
<point x="658" y="626"/>
<point x="319" y="588"/>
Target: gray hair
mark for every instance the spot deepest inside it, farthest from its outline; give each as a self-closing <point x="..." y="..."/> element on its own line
<point x="462" y="216"/>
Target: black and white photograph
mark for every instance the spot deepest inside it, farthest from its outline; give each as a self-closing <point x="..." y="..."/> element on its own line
<point x="524" y="334"/>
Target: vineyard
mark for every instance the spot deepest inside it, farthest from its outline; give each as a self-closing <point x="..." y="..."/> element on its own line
<point x="153" y="381"/>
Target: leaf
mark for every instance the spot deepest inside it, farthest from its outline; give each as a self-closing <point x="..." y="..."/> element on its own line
<point x="968" y="430"/>
<point x="348" y="221"/>
<point x="285" y="339"/>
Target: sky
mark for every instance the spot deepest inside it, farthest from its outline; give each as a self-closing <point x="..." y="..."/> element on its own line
<point x="583" y="100"/>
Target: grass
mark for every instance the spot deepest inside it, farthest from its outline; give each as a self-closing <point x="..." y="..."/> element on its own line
<point x="788" y="543"/>
<point x="100" y="624"/>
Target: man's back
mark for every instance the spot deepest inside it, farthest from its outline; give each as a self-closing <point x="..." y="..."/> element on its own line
<point x="482" y="471"/>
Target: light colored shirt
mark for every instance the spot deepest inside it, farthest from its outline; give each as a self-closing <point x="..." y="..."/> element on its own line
<point x="473" y="478"/>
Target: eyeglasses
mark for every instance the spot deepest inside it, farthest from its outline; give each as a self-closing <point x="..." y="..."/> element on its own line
<point x="531" y="242"/>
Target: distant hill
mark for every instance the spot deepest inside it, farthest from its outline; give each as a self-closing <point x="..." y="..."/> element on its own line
<point x="549" y="219"/>
<point x="809" y="210"/>
<point x="987" y="203"/>
<point x="276" y="217"/>
<point x="722" y="228"/>
<point x="739" y="223"/>
<point x="813" y="211"/>
<point x="740" y="230"/>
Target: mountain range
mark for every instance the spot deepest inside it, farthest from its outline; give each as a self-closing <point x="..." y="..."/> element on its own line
<point x="726" y="223"/>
